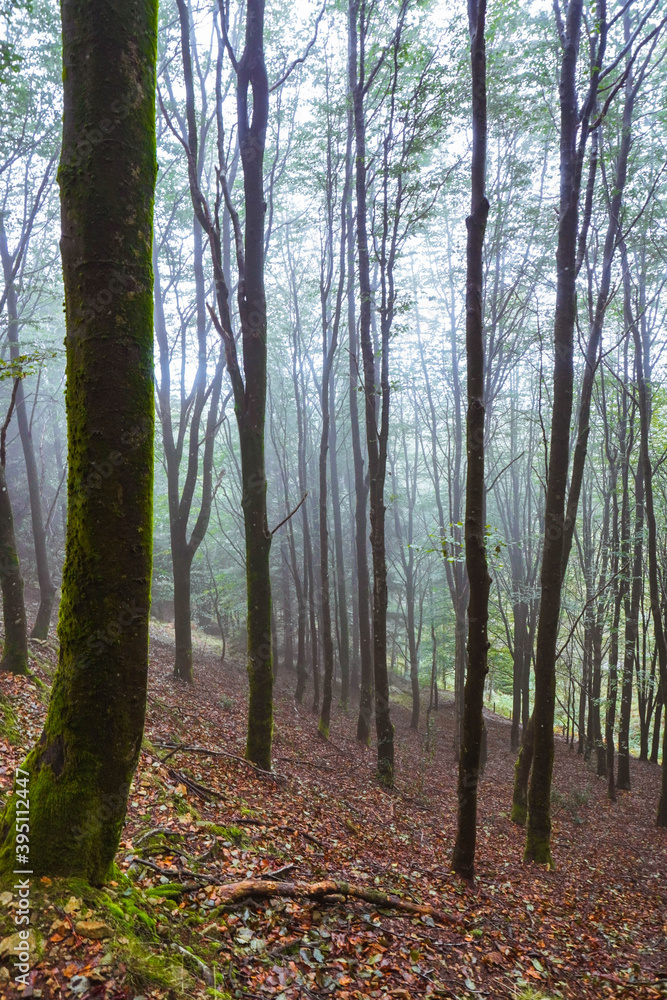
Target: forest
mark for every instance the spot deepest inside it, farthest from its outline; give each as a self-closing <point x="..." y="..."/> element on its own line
<point x="333" y="499"/>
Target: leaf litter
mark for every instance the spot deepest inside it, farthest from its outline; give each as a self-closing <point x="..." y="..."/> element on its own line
<point x="201" y="818"/>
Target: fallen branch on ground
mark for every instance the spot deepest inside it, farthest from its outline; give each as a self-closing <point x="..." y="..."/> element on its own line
<point x="234" y="892"/>
<point x="204" y="751"/>
<point x="202" y="791"/>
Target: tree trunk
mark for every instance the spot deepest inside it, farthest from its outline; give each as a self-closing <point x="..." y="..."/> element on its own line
<point x="47" y="589"/>
<point x="360" y="484"/>
<point x="181" y="565"/>
<point x="631" y="634"/>
<point x="479" y="581"/>
<point x="520" y="615"/>
<point x="15" y="648"/>
<point x="344" y="642"/>
<point x="642" y="365"/>
<point x="81" y="769"/>
<point x="521" y="774"/>
<point x="655" y="743"/>
<point x="376" y="437"/>
<point x="538" y="826"/>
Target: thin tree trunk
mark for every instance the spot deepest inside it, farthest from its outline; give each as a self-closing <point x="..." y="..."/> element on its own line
<point x="376" y="436"/>
<point x="538" y="825"/>
<point x="15" y="648"/>
<point x="479" y="581"/>
<point x="341" y="588"/>
<point x="631" y="634"/>
<point x="47" y="589"/>
<point x="360" y="484"/>
<point x="644" y="401"/>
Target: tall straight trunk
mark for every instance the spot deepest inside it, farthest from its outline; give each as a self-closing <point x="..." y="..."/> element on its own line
<point x="303" y="591"/>
<point x="355" y="659"/>
<point x="250" y="398"/>
<point x="330" y="330"/>
<point x="585" y="686"/>
<point x="275" y="642"/>
<point x="376" y="431"/>
<point x="47" y="589"/>
<point x="596" y="724"/>
<point x="81" y="769"/>
<point x="631" y="635"/>
<point x="341" y="588"/>
<point x="520" y="615"/>
<point x="644" y="400"/>
<point x="598" y="636"/>
<point x="191" y="414"/>
<point x="454" y="569"/>
<point x="312" y="623"/>
<point x="15" y="647"/>
<point x="288" y="637"/>
<point x="407" y="557"/>
<point x="479" y="581"/>
<point x="538" y="825"/>
<point x="612" y="689"/>
<point x="325" y="597"/>
<point x="360" y="484"/>
<point x="249" y="379"/>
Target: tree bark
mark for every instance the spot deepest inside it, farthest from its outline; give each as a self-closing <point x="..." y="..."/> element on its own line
<point x="479" y="581"/>
<point x="376" y="435"/>
<point x="341" y="588"/>
<point x="644" y="401"/>
<point x="360" y="483"/>
<point x="15" y="648"/>
<point x="81" y="769"/>
<point x="631" y="635"/>
<point x="538" y="826"/>
<point x="251" y="399"/>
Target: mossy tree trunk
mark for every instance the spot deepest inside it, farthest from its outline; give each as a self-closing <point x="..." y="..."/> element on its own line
<point x="479" y="581"/>
<point x="81" y="769"/>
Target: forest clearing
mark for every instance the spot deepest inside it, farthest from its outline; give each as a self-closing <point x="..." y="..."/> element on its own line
<point x="593" y="928"/>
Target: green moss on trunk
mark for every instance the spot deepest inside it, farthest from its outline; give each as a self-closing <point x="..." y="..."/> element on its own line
<point x="81" y="769"/>
<point x="521" y="776"/>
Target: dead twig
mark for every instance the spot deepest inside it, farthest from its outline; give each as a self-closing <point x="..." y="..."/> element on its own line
<point x="203" y="791"/>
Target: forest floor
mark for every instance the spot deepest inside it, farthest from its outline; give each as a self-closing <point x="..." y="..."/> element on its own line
<point x="595" y="927"/>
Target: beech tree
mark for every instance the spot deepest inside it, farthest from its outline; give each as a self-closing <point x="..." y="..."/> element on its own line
<point x="479" y="580"/>
<point x="15" y="647"/>
<point x="81" y="768"/>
